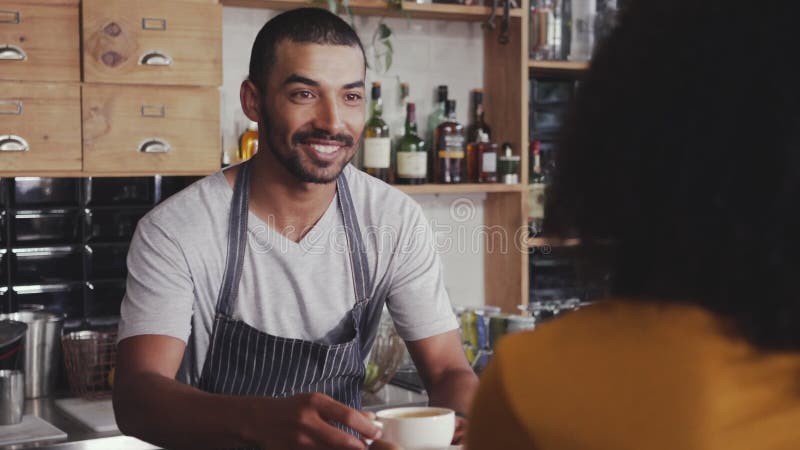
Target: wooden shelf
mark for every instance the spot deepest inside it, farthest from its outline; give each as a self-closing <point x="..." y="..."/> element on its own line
<point x="459" y="188"/>
<point x="379" y="8"/>
<point x="558" y="66"/>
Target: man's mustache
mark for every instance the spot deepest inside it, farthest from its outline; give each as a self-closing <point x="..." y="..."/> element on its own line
<point x="344" y="139"/>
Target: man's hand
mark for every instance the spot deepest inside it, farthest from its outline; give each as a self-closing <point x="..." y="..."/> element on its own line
<point x="461" y="430"/>
<point x="448" y="377"/>
<point x="308" y="421"/>
<point x="151" y="405"/>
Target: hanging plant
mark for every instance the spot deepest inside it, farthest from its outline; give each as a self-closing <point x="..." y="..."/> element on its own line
<point x="382" y="48"/>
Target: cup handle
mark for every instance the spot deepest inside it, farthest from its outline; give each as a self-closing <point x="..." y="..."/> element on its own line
<point x="377" y="424"/>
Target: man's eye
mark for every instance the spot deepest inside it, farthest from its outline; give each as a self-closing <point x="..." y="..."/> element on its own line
<point x="303" y="95"/>
<point x="352" y="97"/>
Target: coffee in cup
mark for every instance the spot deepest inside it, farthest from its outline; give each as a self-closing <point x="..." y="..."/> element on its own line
<point x="418" y="428"/>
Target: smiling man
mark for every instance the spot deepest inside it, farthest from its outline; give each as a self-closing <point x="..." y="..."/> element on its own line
<point x="253" y="296"/>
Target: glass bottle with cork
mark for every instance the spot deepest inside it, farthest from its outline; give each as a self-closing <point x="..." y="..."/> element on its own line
<point x="412" y="154"/>
<point x="377" y="156"/>
<point x="248" y="142"/>
<point x="450" y="151"/>
<point x="478" y="131"/>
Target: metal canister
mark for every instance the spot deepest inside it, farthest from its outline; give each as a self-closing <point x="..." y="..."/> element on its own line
<point x="498" y="327"/>
<point x="12" y="396"/>
<point x="42" y="350"/>
<point x="520" y="323"/>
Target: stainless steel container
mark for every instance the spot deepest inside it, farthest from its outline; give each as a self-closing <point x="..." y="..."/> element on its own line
<point x="12" y="396"/>
<point x="12" y="344"/>
<point x="42" y="350"/>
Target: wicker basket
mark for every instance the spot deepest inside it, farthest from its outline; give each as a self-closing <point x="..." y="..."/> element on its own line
<point x="89" y="357"/>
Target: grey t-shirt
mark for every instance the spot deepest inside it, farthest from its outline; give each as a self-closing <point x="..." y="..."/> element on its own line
<point x="297" y="290"/>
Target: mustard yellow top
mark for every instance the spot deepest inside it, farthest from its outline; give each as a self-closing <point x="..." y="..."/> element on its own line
<point x="636" y="376"/>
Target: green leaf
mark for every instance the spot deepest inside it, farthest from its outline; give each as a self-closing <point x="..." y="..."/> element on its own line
<point x="384" y="31"/>
<point x="388" y="61"/>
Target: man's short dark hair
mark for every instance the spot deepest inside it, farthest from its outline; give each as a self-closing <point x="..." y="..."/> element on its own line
<point x="303" y="25"/>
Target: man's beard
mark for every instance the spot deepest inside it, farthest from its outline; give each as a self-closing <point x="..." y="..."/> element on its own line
<point x="292" y="161"/>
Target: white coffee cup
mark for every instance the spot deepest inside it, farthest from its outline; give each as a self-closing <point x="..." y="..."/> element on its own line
<point x="418" y="428"/>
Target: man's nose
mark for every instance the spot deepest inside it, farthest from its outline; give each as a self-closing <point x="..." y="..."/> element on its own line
<point x="328" y="116"/>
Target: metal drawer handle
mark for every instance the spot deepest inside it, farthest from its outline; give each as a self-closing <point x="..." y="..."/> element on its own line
<point x="7" y="16"/>
<point x="11" y="107"/>
<point x="12" y="143"/>
<point x="155" y="58"/>
<point x="152" y="23"/>
<point x="12" y="53"/>
<point x="154" y="145"/>
<point x="153" y="111"/>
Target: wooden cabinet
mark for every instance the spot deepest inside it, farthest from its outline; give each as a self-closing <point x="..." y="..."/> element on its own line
<point x="39" y="40"/>
<point x="150" y="99"/>
<point x="40" y="126"/>
<point x="150" y="129"/>
<point x="152" y="42"/>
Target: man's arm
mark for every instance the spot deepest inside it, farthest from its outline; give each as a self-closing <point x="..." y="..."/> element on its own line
<point x="150" y="404"/>
<point x="448" y="377"/>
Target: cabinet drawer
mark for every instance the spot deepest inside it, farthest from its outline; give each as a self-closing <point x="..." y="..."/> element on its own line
<point x="40" y="127"/>
<point x="152" y="42"/>
<point x="40" y="40"/>
<point x="168" y="130"/>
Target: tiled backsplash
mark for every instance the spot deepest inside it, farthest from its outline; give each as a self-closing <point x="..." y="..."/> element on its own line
<point x="63" y="241"/>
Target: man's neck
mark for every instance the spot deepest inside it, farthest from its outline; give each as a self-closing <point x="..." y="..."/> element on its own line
<point x="291" y="206"/>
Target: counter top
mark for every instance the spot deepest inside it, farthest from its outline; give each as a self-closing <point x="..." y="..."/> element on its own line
<point x="80" y="437"/>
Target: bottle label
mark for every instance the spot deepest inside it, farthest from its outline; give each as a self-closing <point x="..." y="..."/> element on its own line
<point x="489" y="162"/>
<point x="412" y="164"/>
<point x="377" y="153"/>
<point x="452" y="154"/>
<point x="453" y="147"/>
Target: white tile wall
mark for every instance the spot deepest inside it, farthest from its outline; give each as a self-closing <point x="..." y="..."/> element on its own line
<point x="427" y="53"/>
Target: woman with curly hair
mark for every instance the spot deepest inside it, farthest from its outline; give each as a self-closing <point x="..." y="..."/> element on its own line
<point x="681" y="159"/>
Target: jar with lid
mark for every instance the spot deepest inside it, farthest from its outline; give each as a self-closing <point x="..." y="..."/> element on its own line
<point x="508" y="165"/>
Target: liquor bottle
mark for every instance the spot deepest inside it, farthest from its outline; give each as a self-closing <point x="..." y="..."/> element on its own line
<point x="475" y="131"/>
<point x="398" y="123"/>
<point x="450" y="148"/>
<point x="248" y="142"/>
<point x="412" y="154"/>
<point x="377" y="140"/>
<point x="436" y="117"/>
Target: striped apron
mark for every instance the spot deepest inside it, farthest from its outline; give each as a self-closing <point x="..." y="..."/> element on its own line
<point x="242" y="360"/>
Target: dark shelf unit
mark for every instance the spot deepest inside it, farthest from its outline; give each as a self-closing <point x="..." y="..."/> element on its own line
<point x="64" y="241"/>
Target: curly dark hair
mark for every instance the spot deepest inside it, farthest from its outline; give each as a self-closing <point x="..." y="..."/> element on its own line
<point x="682" y="154"/>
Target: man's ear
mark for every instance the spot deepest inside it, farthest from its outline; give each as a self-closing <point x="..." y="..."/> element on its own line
<point x="251" y="100"/>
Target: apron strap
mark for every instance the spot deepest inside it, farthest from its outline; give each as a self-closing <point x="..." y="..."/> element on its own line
<point x="369" y="309"/>
<point x="237" y="241"/>
<point x="358" y="251"/>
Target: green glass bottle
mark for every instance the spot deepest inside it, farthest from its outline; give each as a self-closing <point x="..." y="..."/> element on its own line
<point x="412" y="153"/>
<point x="436" y="117"/>
<point x="377" y="140"/>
